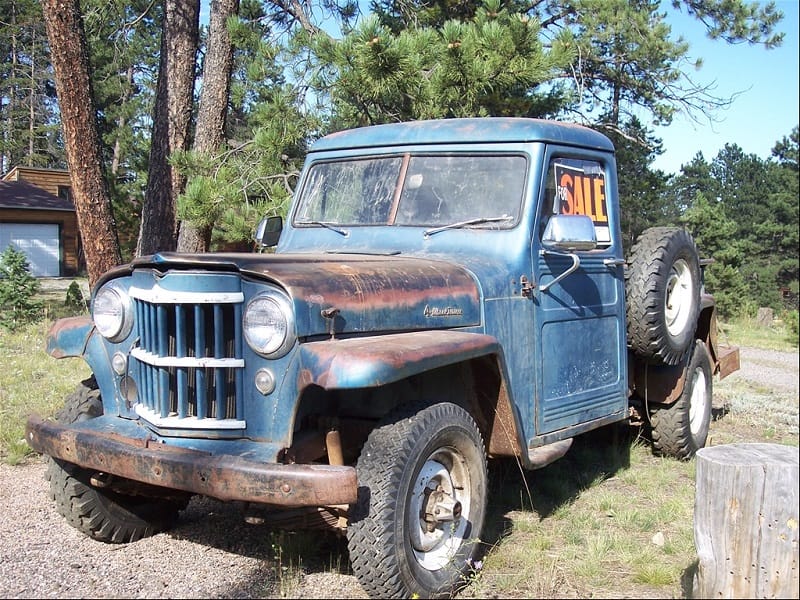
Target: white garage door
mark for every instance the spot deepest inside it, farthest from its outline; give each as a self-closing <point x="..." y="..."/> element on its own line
<point x="38" y="241"/>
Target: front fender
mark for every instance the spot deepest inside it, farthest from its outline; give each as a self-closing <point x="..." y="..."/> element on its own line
<point x="77" y="337"/>
<point x="69" y="337"/>
<point x="378" y="360"/>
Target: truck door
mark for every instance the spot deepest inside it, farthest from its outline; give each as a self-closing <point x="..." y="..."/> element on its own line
<point x="580" y="351"/>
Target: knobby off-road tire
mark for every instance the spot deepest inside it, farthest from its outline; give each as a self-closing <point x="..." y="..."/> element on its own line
<point x="102" y="513"/>
<point x="662" y="286"/>
<point x="423" y="461"/>
<point x="681" y="429"/>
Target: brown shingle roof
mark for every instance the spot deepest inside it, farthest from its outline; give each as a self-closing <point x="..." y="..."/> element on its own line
<point x="23" y="195"/>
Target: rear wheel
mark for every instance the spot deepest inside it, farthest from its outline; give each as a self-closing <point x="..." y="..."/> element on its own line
<point x="102" y="513"/>
<point x="681" y="429"/>
<point x="421" y="505"/>
<point x="662" y="289"/>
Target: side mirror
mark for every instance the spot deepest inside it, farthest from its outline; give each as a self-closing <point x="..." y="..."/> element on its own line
<point x="569" y="233"/>
<point x="268" y="231"/>
<point x="564" y="235"/>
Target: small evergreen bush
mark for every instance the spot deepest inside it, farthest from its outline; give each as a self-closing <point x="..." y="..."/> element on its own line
<point x="18" y="289"/>
<point x="792" y="324"/>
<point x="75" y="301"/>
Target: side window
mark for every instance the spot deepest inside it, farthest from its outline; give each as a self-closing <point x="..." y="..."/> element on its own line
<point x="577" y="187"/>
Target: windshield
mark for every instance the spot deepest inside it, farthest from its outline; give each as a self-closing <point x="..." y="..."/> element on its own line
<point x="421" y="190"/>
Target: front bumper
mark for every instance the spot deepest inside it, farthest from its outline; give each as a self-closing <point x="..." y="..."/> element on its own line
<point x="225" y="477"/>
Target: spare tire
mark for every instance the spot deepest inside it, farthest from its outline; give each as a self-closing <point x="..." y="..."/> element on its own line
<point x="662" y="286"/>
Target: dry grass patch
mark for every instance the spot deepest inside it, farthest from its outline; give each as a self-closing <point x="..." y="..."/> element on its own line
<point x="607" y="520"/>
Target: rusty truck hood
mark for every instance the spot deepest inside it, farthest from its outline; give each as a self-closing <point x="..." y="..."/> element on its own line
<point x="360" y="293"/>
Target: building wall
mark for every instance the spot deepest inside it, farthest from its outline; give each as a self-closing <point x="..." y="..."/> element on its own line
<point x="70" y="238"/>
<point x="51" y="180"/>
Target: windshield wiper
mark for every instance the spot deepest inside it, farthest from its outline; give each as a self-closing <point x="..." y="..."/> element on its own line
<point x="460" y="224"/>
<point x="326" y="225"/>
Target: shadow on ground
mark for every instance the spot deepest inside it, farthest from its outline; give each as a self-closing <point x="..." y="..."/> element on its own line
<point x="594" y="456"/>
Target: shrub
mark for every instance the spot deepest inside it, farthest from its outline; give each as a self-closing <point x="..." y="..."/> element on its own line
<point x="792" y="324"/>
<point x="75" y="300"/>
<point x="18" y="289"/>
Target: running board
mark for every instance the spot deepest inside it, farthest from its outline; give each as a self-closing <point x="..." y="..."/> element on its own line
<point x="542" y="456"/>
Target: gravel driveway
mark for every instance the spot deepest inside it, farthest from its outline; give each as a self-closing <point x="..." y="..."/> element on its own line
<point x="776" y="370"/>
<point x="212" y="553"/>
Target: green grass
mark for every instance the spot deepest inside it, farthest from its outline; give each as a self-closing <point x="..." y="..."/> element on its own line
<point x="746" y="331"/>
<point x="617" y="524"/>
<point x="612" y="520"/>
<point x="30" y="380"/>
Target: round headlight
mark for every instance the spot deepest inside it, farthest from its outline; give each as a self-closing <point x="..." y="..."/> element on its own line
<point x="269" y="325"/>
<point x="111" y="313"/>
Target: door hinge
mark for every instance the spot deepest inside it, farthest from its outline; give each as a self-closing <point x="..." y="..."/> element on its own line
<point x="526" y="287"/>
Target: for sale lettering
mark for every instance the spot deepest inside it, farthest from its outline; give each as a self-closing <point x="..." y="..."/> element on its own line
<point x="579" y="192"/>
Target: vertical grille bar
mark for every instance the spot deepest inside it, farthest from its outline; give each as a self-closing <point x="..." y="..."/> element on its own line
<point x="149" y="329"/>
<point x="181" y="382"/>
<point x="238" y="351"/>
<point x="163" y="350"/>
<point x="219" y="352"/>
<point x="199" y="350"/>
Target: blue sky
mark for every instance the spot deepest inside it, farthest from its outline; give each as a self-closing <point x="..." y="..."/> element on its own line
<point x="766" y="108"/>
<point x="765" y="83"/>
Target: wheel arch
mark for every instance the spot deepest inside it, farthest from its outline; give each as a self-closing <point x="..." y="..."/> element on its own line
<point x="663" y="384"/>
<point x="368" y="378"/>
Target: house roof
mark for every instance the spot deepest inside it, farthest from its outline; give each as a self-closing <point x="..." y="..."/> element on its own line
<point x="17" y="173"/>
<point x="25" y="196"/>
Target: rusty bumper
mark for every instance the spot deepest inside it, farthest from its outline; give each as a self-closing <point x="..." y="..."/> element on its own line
<point x="226" y="477"/>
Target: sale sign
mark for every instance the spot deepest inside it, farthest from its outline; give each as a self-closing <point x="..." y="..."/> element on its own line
<point x="583" y="192"/>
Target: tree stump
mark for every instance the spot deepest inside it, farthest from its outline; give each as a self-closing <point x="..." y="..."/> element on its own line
<point x="765" y="317"/>
<point x="746" y="521"/>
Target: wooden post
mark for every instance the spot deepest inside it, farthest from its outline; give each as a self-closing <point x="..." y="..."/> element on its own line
<point x="746" y="521"/>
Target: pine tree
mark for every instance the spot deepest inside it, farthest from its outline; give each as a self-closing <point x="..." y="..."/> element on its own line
<point x="487" y="66"/>
<point x="172" y="116"/>
<point x="715" y="236"/>
<point x="626" y="62"/>
<point x="29" y="134"/>
<point x="18" y="289"/>
<point x="123" y="41"/>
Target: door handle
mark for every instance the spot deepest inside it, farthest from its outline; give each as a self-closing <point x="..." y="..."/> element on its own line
<point x="614" y="262"/>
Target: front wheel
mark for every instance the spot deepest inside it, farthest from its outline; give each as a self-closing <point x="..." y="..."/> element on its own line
<point x="102" y="513"/>
<point x="681" y="429"/>
<point x="421" y="506"/>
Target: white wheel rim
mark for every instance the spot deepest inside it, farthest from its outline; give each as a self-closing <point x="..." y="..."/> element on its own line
<point x="444" y="470"/>
<point x="679" y="297"/>
<point x="698" y="401"/>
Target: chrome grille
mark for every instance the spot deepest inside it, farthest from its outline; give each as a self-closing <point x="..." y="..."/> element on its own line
<point x="188" y="358"/>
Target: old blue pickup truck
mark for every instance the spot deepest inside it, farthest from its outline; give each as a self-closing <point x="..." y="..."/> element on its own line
<point x="439" y="293"/>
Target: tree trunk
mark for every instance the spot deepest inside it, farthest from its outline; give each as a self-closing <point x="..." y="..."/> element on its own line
<point x="210" y="131"/>
<point x="70" y="61"/>
<point x="32" y="104"/>
<point x="11" y="92"/>
<point x="121" y="122"/>
<point x="171" y="123"/>
<point x="746" y="521"/>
